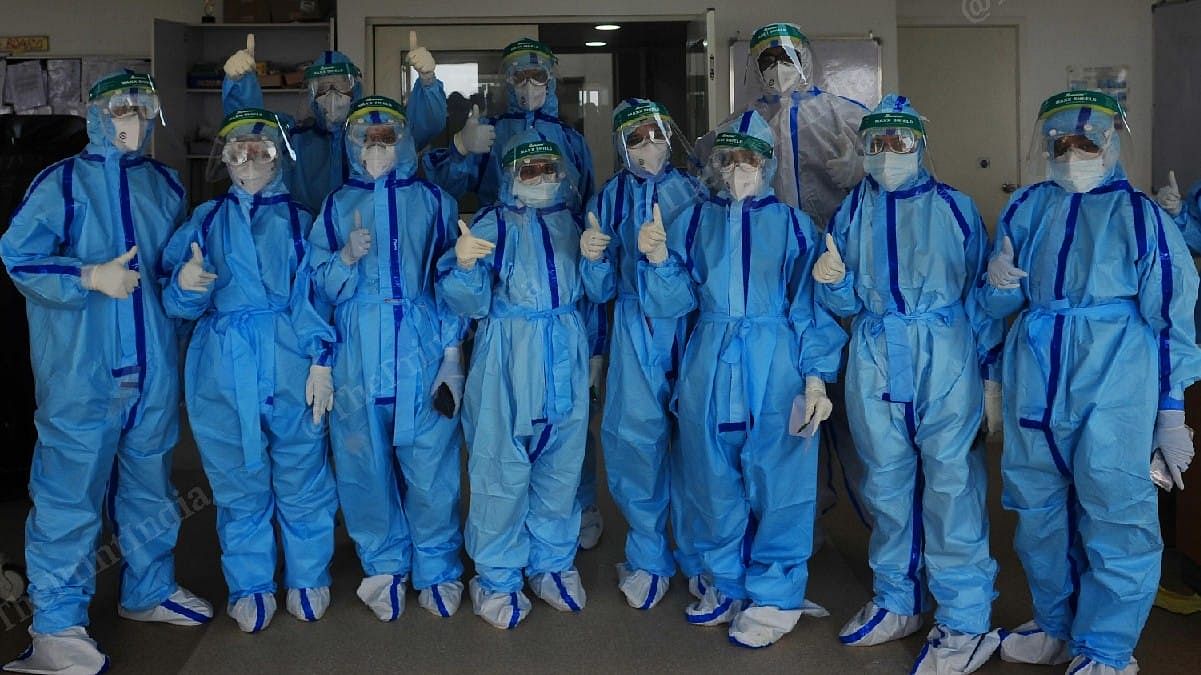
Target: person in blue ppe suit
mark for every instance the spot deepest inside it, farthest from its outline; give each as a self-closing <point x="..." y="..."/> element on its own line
<point x="637" y="426"/>
<point x="525" y="412"/>
<point x="83" y="248"/>
<point x="333" y="84"/>
<point x="1185" y="212"/>
<point x="258" y="358"/>
<point x="751" y="392"/>
<point x="902" y="257"/>
<point x="397" y="348"/>
<point x="472" y="164"/>
<point x="1097" y="276"/>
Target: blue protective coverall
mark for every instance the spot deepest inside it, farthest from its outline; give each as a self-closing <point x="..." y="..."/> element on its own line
<point x="914" y="391"/>
<point x="636" y="428"/>
<point x="106" y="375"/>
<point x="391" y="337"/>
<point x="1189" y="218"/>
<point x="256" y="335"/>
<point x="1103" y="338"/>
<point x="320" y="165"/>
<point x="525" y="410"/>
<point x="746" y="266"/>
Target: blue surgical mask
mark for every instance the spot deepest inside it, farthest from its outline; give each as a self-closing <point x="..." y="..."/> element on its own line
<point x="541" y="195"/>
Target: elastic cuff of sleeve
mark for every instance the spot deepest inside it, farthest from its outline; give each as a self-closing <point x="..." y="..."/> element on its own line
<point x="1169" y="403"/>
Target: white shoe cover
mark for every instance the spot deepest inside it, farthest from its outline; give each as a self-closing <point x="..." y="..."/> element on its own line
<point x="442" y="599"/>
<point x="875" y="625"/>
<point x="308" y="604"/>
<point x="1030" y="644"/>
<point x="591" y="527"/>
<point x="562" y="590"/>
<point x="1084" y="665"/>
<point x="949" y="652"/>
<point x="642" y="589"/>
<point x="253" y="612"/>
<point x="714" y="609"/>
<point x="181" y="608"/>
<point x="502" y="610"/>
<point x="760" y="626"/>
<point x="697" y="586"/>
<point x="384" y="595"/>
<point x="68" y="652"/>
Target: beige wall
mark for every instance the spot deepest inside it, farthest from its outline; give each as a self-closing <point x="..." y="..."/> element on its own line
<point x="121" y="27"/>
<point x="1055" y="35"/>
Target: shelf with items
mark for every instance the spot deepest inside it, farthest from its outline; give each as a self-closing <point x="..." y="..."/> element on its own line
<point x="188" y="54"/>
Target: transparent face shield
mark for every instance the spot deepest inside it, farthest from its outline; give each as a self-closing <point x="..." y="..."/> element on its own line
<point x="541" y="179"/>
<point x="528" y="68"/>
<point x="648" y="145"/>
<point x="1077" y="131"/>
<point x="130" y="116"/>
<point x="781" y="59"/>
<point x="739" y="171"/>
<point x="250" y="144"/>
<point x="331" y="89"/>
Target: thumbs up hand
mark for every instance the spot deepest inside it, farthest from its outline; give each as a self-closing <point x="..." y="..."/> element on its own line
<point x="593" y="241"/>
<point x="113" y="278"/>
<point x="358" y="242"/>
<point x="193" y="277"/>
<point x="1169" y="196"/>
<point x="1002" y="273"/>
<point x="420" y="59"/>
<point x="829" y="268"/>
<point x="242" y="61"/>
<point x="470" y="248"/>
<point x="475" y="138"/>
<point x="652" y="238"/>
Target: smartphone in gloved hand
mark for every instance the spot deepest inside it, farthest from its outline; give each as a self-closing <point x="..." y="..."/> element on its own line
<point x="444" y="401"/>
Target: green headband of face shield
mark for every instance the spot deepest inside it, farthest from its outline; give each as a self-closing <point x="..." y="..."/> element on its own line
<point x="248" y="117"/>
<point x="527" y="51"/>
<point x="892" y="120"/>
<point x="377" y="104"/>
<point x="1067" y="100"/>
<point x="121" y="81"/>
<point x="777" y="34"/>
<point x="730" y="139"/>
<point x="532" y="149"/>
<point x="326" y="69"/>
<point x="640" y="114"/>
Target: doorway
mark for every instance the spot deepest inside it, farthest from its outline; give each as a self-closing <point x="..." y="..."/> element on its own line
<point x="965" y="80"/>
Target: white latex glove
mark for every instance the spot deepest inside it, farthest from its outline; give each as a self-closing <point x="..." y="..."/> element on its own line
<point x="992" y="406"/>
<point x="420" y="59"/>
<point x="1169" y="195"/>
<point x="451" y="374"/>
<point x="242" y="61"/>
<point x="193" y="277"/>
<point x="593" y="241"/>
<point x="319" y="391"/>
<point x="475" y="138"/>
<point x="652" y="238"/>
<point x="818" y="405"/>
<point x="596" y="371"/>
<point x="1174" y="444"/>
<point x="846" y="170"/>
<point x="470" y="248"/>
<point x="113" y="278"/>
<point x="1002" y="273"/>
<point x="829" y="268"/>
<point x="358" y="242"/>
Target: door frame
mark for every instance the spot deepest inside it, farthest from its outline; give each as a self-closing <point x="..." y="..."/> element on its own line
<point x="1015" y="22"/>
<point x="706" y="16"/>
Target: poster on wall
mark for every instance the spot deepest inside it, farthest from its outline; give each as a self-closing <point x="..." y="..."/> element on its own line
<point x="1109" y="79"/>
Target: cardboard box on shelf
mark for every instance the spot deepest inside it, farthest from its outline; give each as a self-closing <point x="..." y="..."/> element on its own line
<point x="247" y="11"/>
<point x="293" y="78"/>
<point x="271" y="81"/>
<point x="285" y="11"/>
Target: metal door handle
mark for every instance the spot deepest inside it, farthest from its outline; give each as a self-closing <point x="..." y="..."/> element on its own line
<point x="1009" y="188"/>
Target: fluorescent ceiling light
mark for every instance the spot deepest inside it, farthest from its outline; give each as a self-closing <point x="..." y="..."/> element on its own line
<point x="608" y="26"/>
<point x="595" y="44"/>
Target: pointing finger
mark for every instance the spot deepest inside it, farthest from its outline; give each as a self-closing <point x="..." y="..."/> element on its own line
<point x="1172" y="181"/>
<point x="464" y="231"/>
<point x="412" y="40"/>
<point x="128" y="255"/>
<point x="475" y="111"/>
<point x="250" y="44"/>
<point x="831" y="246"/>
<point x="196" y="253"/>
<point x="1007" y="247"/>
<point x="593" y="223"/>
<point x="657" y="214"/>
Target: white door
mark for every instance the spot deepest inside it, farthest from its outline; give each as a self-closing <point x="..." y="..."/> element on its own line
<point x="971" y="103"/>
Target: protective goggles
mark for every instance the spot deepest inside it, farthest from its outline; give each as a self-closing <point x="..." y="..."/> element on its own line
<point x="732" y="157"/>
<point x="898" y="141"/>
<point x="249" y="149"/>
<point x="367" y="135"/>
<point x="144" y="104"/>
<point x="646" y="134"/>
<point x="536" y="170"/>
<point x="538" y="76"/>
<point x="1061" y="145"/>
<point x="773" y="56"/>
<point x="342" y="84"/>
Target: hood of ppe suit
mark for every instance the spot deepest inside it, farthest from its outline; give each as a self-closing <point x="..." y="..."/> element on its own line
<point x="326" y="58"/>
<point x="101" y="130"/>
<point x="895" y="103"/>
<point x="570" y="177"/>
<point x="749" y="123"/>
<point x="531" y="58"/>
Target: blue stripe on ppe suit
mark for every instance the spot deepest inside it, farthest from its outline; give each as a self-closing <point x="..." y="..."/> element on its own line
<point x="320" y="165"/>
<point x="746" y="266"/>
<point x="1106" y="272"/>
<point x="914" y="391"/>
<point x="256" y="335"/>
<point x="106" y="374"/>
<point x="637" y="427"/>
<point x="391" y="337"/>
<point x="525" y="412"/>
